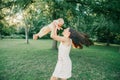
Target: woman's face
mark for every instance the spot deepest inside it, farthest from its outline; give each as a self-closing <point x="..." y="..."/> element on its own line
<point x="66" y="32"/>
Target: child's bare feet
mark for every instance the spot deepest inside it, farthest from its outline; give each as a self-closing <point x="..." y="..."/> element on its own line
<point x="35" y="37"/>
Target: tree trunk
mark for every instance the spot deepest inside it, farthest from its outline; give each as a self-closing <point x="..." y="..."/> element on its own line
<point x="108" y="37"/>
<point x="26" y="35"/>
<point x="0" y="36"/>
<point x="108" y="42"/>
<point x="76" y="27"/>
<point x="54" y="45"/>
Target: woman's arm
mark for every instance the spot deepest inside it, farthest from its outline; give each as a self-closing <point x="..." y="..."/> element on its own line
<point x="57" y="37"/>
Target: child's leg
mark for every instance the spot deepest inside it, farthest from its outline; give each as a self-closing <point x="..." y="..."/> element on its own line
<point x="44" y="31"/>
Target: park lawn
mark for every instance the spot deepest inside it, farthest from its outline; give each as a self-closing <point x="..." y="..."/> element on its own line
<point x="36" y="61"/>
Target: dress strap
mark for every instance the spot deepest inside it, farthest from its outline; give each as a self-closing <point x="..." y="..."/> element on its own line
<point x="71" y="41"/>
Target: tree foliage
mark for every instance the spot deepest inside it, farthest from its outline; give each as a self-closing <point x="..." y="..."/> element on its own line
<point x="99" y="18"/>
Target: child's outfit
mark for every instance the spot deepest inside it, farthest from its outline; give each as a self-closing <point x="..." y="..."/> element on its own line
<point x="46" y="29"/>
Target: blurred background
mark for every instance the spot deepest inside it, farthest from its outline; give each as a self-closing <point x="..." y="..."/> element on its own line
<point x="98" y="18"/>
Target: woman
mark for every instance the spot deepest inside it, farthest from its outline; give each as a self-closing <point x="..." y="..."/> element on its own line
<point x="64" y="66"/>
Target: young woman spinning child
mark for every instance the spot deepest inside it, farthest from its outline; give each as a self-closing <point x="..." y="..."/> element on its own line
<point x="63" y="67"/>
<point x="70" y="37"/>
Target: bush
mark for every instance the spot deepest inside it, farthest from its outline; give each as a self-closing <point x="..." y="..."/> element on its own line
<point x="117" y="39"/>
<point x="14" y="36"/>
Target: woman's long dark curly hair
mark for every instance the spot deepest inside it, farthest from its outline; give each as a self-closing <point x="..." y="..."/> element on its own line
<point x="79" y="39"/>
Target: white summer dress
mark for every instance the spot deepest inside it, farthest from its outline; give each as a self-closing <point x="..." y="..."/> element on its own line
<point x="64" y="65"/>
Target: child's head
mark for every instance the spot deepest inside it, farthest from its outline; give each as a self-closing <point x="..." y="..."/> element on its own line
<point x="60" y="22"/>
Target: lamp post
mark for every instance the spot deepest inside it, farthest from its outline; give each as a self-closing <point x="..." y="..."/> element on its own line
<point x="77" y="6"/>
<point x="77" y="9"/>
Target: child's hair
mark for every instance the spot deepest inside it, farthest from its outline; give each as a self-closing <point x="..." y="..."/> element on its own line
<point x="79" y="39"/>
<point x="61" y="20"/>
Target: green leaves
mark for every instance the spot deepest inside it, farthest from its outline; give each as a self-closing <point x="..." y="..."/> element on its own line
<point x="83" y="15"/>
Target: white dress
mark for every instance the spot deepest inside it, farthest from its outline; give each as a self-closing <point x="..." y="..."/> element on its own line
<point x="64" y="65"/>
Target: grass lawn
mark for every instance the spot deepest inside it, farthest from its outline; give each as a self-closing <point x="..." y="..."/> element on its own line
<point x="36" y="61"/>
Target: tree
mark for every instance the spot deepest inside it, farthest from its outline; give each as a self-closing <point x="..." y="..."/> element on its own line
<point x="109" y="19"/>
<point x="11" y="8"/>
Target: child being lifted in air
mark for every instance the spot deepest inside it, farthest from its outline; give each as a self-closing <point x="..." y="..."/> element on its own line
<point x="46" y="29"/>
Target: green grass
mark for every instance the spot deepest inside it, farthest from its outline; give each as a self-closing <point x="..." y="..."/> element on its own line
<point x="36" y="61"/>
